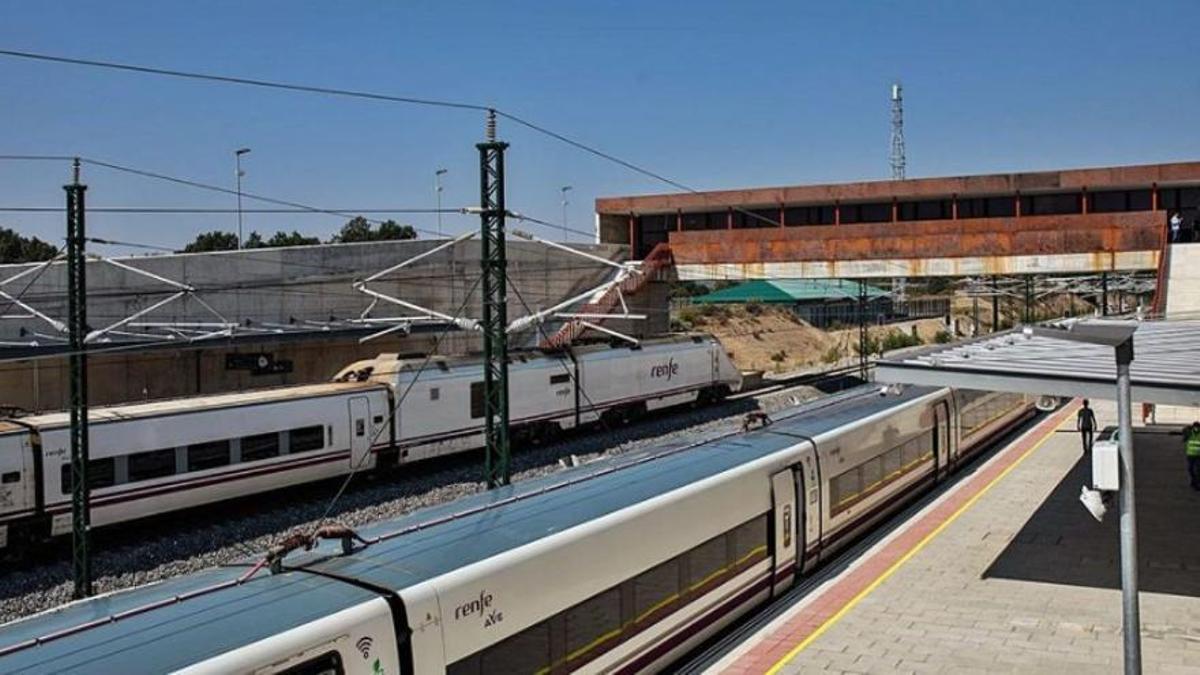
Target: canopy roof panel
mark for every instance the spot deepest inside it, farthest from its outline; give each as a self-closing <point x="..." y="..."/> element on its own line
<point x="1165" y="368"/>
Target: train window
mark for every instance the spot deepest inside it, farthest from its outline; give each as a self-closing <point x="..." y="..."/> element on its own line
<point x="476" y="400"/>
<point x="562" y="378"/>
<point x="655" y="591"/>
<point x="305" y="439"/>
<point x="329" y="663"/>
<point x="593" y="625"/>
<point x="843" y="489"/>
<point x="210" y="455"/>
<point x="872" y="474"/>
<point x="434" y="393"/>
<point x="11" y="477"/>
<point x="152" y="464"/>
<point x="101" y="474"/>
<point x="467" y="666"/>
<point x="893" y="463"/>
<point x="706" y="562"/>
<point x="260" y="446"/>
<point x="750" y="541"/>
<point x="525" y="652"/>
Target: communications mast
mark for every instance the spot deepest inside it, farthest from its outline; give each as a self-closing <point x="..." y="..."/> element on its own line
<point x="897" y="133"/>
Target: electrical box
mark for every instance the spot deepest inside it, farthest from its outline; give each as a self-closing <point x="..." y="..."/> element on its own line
<point x="1106" y="466"/>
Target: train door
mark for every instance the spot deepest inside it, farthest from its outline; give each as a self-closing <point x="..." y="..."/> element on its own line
<point x="360" y="431"/>
<point x="808" y="507"/>
<point x="715" y="358"/>
<point x="783" y="495"/>
<point x="942" y="452"/>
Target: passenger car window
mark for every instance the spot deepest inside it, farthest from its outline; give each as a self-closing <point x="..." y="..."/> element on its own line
<point x="476" y="400"/>
<point x="526" y="653"/>
<point x="593" y="625"/>
<point x="750" y="541"/>
<point x="152" y="464"/>
<point x="705" y="562"/>
<point x="261" y="446"/>
<point x="210" y="455"/>
<point x="305" y="439"/>
<point x="101" y="474"/>
<point x="655" y="590"/>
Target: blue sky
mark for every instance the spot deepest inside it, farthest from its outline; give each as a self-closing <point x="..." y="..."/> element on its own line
<point x="712" y="94"/>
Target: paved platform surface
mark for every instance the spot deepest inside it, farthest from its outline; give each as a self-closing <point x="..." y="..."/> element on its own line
<point x="1008" y="573"/>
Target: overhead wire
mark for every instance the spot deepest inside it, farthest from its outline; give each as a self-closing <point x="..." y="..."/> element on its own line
<point x="395" y="408"/>
<point x="333" y="91"/>
<point x="112" y="65"/>
<point x="156" y="210"/>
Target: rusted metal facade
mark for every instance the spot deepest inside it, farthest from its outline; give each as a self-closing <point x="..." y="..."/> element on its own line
<point x="1084" y="220"/>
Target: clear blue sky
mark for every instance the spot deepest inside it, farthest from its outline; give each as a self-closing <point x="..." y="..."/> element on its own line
<point x="713" y="94"/>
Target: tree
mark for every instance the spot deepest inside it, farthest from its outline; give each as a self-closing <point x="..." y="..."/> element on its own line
<point x="255" y="240"/>
<point x="15" y="248"/>
<point x="292" y="239"/>
<point x="358" y="229"/>
<point x="213" y="241"/>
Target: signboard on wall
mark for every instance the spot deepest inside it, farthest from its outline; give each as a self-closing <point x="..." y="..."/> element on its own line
<point x="258" y="363"/>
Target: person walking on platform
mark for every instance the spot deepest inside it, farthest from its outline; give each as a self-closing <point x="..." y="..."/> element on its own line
<point x="1191" y="445"/>
<point x="1176" y="222"/>
<point x="1085" y="424"/>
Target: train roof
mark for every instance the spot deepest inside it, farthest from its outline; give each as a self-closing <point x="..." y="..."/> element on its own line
<point x="391" y="364"/>
<point x="180" y="633"/>
<point x="440" y="539"/>
<point x="125" y="411"/>
<point x="415" y="548"/>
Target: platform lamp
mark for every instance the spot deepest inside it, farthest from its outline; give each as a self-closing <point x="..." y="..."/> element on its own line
<point x="1119" y="336"/>
<point x="437" y="191"/>
<point x="237" y="159"/>
<point x="564" y="189"/>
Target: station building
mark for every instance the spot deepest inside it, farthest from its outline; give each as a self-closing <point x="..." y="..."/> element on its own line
<point x="994" y="223"/>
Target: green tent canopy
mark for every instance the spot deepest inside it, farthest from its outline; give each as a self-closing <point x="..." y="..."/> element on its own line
<point x="790" y="291"/>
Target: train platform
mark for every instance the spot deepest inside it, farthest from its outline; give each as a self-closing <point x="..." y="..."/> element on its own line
<point x="1007" y="572"/>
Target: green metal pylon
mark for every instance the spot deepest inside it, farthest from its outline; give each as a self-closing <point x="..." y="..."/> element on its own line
<point x="77" y="325"/>
<point x="495" y="306"/>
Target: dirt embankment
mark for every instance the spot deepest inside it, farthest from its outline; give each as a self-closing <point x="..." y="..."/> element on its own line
<point x="775" y="340"/>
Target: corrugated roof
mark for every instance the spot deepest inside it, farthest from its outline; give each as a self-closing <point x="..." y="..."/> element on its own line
<point x="1165" y="368"/>
<point x="791" y="290"/>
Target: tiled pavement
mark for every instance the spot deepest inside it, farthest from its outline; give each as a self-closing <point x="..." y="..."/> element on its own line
<point x="1022" y="580"/>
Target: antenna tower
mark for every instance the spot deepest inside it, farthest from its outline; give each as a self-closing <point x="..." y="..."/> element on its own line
<point x="897" y="158"/>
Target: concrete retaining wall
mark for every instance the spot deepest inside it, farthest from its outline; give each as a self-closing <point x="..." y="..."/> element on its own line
<point x="285" y="285"/>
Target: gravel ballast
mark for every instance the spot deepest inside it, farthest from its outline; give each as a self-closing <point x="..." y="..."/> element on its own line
<point x="141" y="553"/>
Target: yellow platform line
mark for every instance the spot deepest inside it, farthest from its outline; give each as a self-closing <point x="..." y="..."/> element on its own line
<point x="913" y="551"/>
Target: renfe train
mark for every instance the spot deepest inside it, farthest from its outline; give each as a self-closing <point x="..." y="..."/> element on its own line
<point x="154" y="457"/>
<point x="617" y="566"/>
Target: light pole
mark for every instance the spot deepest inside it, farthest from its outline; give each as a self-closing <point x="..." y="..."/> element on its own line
<point x="437" y="189"/>
<point x="1120" y="338"/>
<point x="237" y="158"/>
<point x="564" y="190"/>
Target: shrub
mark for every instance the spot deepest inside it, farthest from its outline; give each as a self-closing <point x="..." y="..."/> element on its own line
<point x="896" y="339"/>
<point x="942" y="337"/>
<point x="832" y="355"/>
<point x="688" y="315"/>
<point x="779" y="356"/>
<point x="754" y="308"/>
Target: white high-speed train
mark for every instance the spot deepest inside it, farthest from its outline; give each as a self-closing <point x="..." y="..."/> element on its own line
<point x="620" y="566"/>
<point x="155" y="457"/>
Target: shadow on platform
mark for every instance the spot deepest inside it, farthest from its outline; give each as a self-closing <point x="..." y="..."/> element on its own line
<point x="1062" y="544"/>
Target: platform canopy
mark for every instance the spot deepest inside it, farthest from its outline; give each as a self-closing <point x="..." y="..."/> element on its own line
<point x="1165" y="368"/>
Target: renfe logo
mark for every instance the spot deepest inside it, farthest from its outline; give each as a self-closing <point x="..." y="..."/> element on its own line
<point x="667" y="370"/>
<point x="481" y="606"/>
